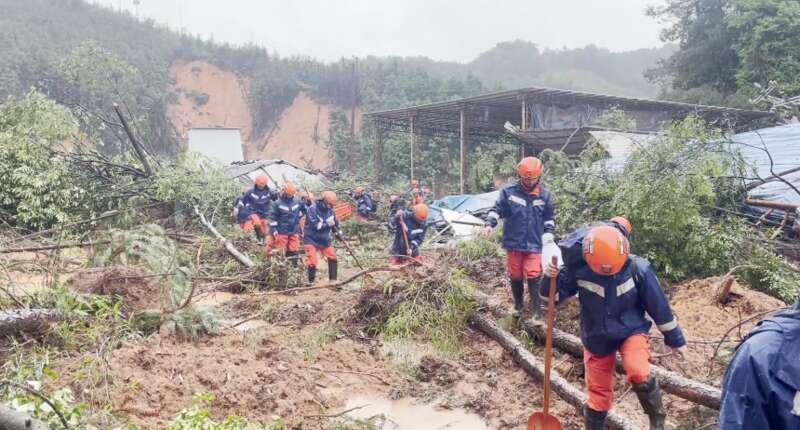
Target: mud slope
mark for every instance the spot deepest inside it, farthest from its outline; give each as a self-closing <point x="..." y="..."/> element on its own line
<point x="206" y="96"/>
<point x="301" y="134"/>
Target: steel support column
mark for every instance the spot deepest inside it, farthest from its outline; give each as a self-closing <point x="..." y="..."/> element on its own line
<point x="464" y="148"/>
<point x="413" y="144"/>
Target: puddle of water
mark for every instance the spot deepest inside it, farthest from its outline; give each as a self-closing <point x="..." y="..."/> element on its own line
<point x="405" y="414"/>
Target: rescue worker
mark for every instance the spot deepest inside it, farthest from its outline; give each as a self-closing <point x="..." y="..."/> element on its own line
<point x="365" y="205"/>
<point x="285" y="222"/>
<point x="529" y="215"/>
<point x="761" y="388"/>
<point x="571" y="244"/>
<point x="615" y="289"/>
<point x="257" y="202"/>
<point x="409" y="235"/>
<point x="321" y="221"/>
<point x="395" y="204"/>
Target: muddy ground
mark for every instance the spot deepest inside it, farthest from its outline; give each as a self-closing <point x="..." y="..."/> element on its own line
<point x="304" y="357"/>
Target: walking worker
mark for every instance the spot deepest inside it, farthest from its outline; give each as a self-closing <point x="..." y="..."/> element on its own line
<point x="320" y="223"/>
<point x="365" y="205"/>
<point x="256" y="204"/>
<point x="761" y="388"/>
<point x="409" y="234"/>
<point x="285" y="222"/>
<point x="529" y="214"/>
<point x="615" y="289"/>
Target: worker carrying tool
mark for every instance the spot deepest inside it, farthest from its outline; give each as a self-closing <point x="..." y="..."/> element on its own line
<point x="529" y="214"/>
<point x="285" y="223"/>
<point x="320" y="223"/>
<point x="615" y="289"/>
<point x="255" y="205"/>
<point x="761" y="388"/>
<point x="410" y="232"/>
<point x="365" y="205"/>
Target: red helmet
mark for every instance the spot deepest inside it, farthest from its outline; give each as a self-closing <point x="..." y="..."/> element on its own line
<point x="262" y="181"/>
<point x="605" y="250"/>
<point x="289" y="189"/>
<point x="622" y="222"/>
<point x="420" y="212"/>
<point x="530" y="168"/>
<point x="329" y="197"/>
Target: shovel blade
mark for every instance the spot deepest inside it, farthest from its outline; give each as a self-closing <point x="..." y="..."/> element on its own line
<point x="540" y="421"/>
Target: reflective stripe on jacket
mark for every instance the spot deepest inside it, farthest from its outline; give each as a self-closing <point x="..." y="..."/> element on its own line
<point x="285" y="215"/>
<point x="613" y="307"/>
<point x="527" y="216"/>
<point x="761" y="389"/>
<point x="317" y="231"/>
<point x="259" y="201"/>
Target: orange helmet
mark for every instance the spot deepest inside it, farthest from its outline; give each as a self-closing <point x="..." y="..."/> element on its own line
<point x="605" y="250"/>
<point x="262" y="181"/>
<point x="420" y="212"/>
<point x="289" y="189"/>
<point x="530" y="168"/>
<point x="358" y="190"/>
<point x="329" y="197"/>
<point x="623" y="222"/>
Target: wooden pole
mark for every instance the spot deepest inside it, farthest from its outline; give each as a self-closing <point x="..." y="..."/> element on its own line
<point x="413" y="143"/>
<point x="535" y="368"/>
<point x="671" y="382"/>
<point x="239" y="256"/>
<point x="136" y="145"/>
<point x="524" y="126"/>
<point x="378" y="153"/>
<point x="463" y="147"/>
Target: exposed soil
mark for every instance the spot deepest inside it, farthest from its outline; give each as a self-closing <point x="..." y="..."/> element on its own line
<point x="224" y="93"/>
<point x="136" y="287"/>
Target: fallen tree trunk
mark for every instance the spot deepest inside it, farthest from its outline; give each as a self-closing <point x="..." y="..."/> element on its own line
<point x="535" y="368"/>
<point x="52" y="247"/>
<point x="245" y="260"/>
<point x="15" y="420"/>
<point x="29" y="321"/>
<point x="671" y="382"/>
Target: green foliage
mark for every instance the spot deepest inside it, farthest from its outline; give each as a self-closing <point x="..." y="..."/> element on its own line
<point x="190" y="323"/>
<point x="728" y="45"/>
<point x="616" y="118"/>
<point x="439" y="317"/>
<point x="198" y="417"/>
<point x="149" y="247"/>
<point x="37" y="189"/>
<point x="670" y="190"/>
<point x="768" y="44"/>
<point x="194" y="181"/>
<point x="479" y="247"/>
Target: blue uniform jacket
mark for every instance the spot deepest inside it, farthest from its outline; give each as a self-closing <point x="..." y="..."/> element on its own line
<point x="285" y="215"/>
<point x="317" y="231"/>
<point x="243" y="211"/>
<point x="258" y="201"/>
<point x="416" y="234"/>
<point x="527" y="216"/>
<point x="761" y="389"/>
<point x="613" y="307"/>
<point x="365" y="206"/>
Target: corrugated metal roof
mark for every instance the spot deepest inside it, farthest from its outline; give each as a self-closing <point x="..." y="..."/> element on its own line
<point x="782" y="144"/>
<point x="278" y="171"/>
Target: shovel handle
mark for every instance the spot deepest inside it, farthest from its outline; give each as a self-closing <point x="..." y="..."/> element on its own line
<point x="548" y="345"/>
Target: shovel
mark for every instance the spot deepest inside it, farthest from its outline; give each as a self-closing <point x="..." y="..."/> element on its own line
<point x="543" y="420"/>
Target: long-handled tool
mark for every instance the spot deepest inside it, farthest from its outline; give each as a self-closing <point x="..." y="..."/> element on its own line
<point x="543" y="420"/>
<point x="347" y="246"/>
<point x="404" y="230"/>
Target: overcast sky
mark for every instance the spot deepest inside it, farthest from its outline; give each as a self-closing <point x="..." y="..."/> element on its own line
<point x="444" y="30"/>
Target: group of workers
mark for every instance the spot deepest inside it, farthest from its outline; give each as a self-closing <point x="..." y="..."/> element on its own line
<point x="284" y="219"/>
<point x="616" y="291"/>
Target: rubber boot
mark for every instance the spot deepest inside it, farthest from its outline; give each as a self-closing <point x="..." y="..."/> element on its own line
<point x="593" y="420"/>
<point x="536" y="299"/>
<point x="333" y="267"/>
<point x="312" y="274"/>
<point x="517" y="290"/>
<point x="649" y="395"/>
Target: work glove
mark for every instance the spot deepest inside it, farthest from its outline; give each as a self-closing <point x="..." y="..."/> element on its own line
<point x="551" y="249"/>
<point x="679" y="352"/>
<point x="331" y="222"/>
